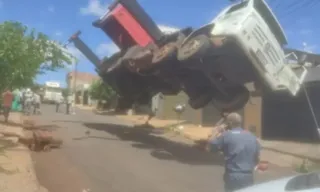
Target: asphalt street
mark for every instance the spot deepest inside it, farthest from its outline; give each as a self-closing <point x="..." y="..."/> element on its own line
<point x="102" y="153"/>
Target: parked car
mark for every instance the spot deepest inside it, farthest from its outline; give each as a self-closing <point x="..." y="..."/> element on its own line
<point x="299" y="183"/>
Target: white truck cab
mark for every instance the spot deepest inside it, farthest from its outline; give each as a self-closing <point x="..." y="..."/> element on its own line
<point x="52" y="92"/>
<point x="255" y="29"/>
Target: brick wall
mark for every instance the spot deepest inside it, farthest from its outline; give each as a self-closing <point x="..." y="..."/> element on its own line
<point x="80" y="78"/>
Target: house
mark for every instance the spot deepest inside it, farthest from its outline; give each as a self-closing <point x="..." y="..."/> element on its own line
<point x="80" y="82"/>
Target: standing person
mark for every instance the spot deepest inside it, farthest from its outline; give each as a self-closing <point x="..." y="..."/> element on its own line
<point x="36" y="103"/>
<point x="68" y="103"/>
<point x="22" y="99"/>
<point x="7" y="98"/>
<point x="72" y="106"/>
<point x="59" y="101"/>
<point x="241" y="150"/>
<point x="28" y="101"/>
<point x="16" y="100"/>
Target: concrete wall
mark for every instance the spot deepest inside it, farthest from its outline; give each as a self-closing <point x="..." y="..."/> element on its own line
<point x="210" y="115"/>
<point x="167" y="104"/>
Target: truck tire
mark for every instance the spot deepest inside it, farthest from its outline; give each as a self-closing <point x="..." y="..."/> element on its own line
<point x="194" y="48"/>
<point x="200" y="101"/>
<point x="239" y="97"/>
<point x="164" y="53"/>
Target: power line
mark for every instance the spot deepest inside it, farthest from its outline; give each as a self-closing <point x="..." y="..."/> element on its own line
<point x="298" y="7"/>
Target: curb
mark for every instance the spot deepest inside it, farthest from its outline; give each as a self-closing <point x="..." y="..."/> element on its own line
<point x="191" y="138"/>
<point x="312" y="159"/>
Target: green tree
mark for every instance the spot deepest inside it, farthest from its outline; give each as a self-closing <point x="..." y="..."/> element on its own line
<point x="65" y="92"/>
<point x="25" y="53"/>
<point x="101" y="92"/>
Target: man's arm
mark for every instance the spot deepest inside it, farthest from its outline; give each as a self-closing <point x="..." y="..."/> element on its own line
<point x="215" y="144"/>
<point x="257" y="156"/>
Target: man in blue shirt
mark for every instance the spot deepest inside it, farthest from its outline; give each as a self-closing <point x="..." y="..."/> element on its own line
<point x="241" y="153"/>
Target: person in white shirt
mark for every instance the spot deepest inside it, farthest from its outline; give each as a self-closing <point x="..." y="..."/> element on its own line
<point x="36" y="103"/>
<point x="69" y="103"/>
<point x="28" y="100"/>
<point x="59" y="101"/>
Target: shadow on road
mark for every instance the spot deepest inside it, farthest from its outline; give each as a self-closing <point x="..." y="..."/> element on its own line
<point x="93" y="137"/>
<point x="110" y="113"/>
<point x="67" y="121"/>
<point x="161" y="148"/>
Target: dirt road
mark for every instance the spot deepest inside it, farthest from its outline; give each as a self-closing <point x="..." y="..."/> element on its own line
<point x="116" y="158"/>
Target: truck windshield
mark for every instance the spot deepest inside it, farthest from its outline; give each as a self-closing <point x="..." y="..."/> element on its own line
<point x="237" y="7"/>
<point x="271" y="21"/>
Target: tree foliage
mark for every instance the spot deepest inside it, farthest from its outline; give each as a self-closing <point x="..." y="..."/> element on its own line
<point x="25" y="53"/>
<point x="65" y="92"/>
<point x="100" y="91"/>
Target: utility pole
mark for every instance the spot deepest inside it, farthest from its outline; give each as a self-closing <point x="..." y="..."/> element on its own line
<point x="75" y="81"/>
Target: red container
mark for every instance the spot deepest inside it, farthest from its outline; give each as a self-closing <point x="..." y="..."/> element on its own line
<point x="127" y="25"/>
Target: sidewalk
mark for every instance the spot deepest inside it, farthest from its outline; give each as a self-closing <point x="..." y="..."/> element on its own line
<point x="16" y="167"/>
<point x="85" y="107"/>
<point x="281" y="153"/>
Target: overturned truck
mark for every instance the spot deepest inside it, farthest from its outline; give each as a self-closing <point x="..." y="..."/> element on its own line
<point x="243" y="44"/>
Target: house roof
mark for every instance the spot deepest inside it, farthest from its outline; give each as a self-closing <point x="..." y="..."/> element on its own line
<point x="83" y="76"/>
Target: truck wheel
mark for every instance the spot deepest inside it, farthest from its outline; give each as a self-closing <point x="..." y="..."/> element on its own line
<point x="195" y="48"/>
<point x="164" y="53"/>
<point x="239" y="97"/>
<point x="200" y="101"/>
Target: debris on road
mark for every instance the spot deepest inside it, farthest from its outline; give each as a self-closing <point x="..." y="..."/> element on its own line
<point x="35" y="137"/>
<point x="44" y="140"/>
<point x="16" y="167"/>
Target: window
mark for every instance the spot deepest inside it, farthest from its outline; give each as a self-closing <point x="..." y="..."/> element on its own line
<point x="237" y="7"/>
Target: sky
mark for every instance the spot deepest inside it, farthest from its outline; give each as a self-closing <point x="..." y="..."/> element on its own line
<point x="59" y="19"/>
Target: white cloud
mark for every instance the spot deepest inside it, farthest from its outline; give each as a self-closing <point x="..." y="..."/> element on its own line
<point x="51" y="9"/>
<point x="58" y="33"/>
<point x="106" y="49"/>
<point x="167" y="29"/>
<point x="95" y="8"/>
